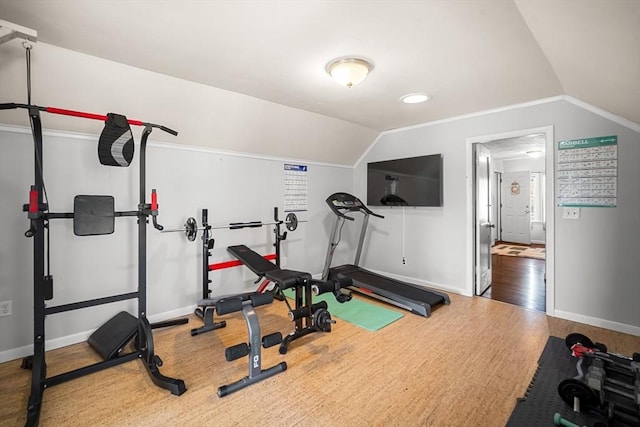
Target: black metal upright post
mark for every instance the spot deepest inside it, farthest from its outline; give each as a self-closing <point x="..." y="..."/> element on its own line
<point x="145" y="341"/>
<point x="278" y="236"/>
<point x="37" y="231"/>
<point x="145" y="335"/>
<point x="206" y="234"/>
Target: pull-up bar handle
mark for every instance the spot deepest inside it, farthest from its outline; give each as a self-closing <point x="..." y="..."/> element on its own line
<point x="164" y="128"/>
<point x="8" y="106"/>
<point x="101" y="117"/>
<point x="84" y="115"/>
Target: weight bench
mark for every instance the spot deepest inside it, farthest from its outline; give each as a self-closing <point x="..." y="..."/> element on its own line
<point x="245" y="302"/>
<point x="308" y="317"/>
<point x="252" y="349"/>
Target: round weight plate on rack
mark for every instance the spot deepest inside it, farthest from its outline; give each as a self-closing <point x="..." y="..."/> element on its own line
<point x="291" y="221"/>
<point x="191" y="229"/>
<point x="322" y="320"/>
<point x="575" y="338"/>
<point x="571" y="388"/>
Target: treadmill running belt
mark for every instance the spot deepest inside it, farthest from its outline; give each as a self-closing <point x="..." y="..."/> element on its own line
<point x="411" y="297"/>
<point x="367" y="278"/>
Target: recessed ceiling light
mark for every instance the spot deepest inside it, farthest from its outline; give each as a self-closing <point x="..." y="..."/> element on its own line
<point x="415" y="98"/>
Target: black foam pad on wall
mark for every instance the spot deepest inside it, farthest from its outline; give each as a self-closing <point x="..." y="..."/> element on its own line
<point x="115" y="146"/>
<point x="93" y="215"/>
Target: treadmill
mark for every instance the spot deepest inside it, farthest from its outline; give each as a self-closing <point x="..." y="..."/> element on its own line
<point x="415" y="298"/>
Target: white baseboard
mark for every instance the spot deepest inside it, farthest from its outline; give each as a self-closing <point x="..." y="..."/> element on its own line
<point x="601" y="323"/>
<point x="52" y="344"/>
<point x="538" y="242"/>
<point x="413" y="280"/>
<point x="425" y="283"/>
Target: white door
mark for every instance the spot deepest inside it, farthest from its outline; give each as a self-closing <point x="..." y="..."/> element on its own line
<point x="482" y="163"/>
<point x="516" y="219"/>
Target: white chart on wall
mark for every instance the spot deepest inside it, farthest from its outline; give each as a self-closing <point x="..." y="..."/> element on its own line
<point x="295" y="188"/>
<point x="588" y="172"/>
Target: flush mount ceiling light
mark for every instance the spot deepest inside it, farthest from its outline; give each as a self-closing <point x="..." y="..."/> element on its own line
<point x="415" y="98"/>
<point x="535" y="153"/>
<point x="349" y="71"/>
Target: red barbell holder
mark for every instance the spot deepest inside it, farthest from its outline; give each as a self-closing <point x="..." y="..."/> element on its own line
<point x="235" y="263"/>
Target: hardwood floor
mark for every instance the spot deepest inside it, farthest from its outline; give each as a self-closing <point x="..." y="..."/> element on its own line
<point x="519" y="281"/>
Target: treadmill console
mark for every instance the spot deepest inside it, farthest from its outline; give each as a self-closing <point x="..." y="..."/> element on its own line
<point x="346" y="202"/>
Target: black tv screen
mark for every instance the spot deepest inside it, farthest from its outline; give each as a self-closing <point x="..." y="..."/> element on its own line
<point x="413" y="181"/>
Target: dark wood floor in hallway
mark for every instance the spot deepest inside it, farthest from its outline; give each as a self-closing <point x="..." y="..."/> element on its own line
<point x="519" y="281"/>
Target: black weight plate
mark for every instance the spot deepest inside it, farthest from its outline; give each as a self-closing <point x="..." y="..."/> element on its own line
<point x="322" y="320"/>
<point x="576" y="338"/>
<point x="601" y="347"/>
<point x="191" y="229"/>
<point x="291" y="222"/>
<point x="568" y="389"/>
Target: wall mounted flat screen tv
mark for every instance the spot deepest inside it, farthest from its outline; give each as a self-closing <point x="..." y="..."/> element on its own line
<point x="413" y="181"/>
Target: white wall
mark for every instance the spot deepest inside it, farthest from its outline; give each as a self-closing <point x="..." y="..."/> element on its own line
<point x="233" y="188"/>
<point x="597" y="262"/>
<point x="529" y="164"/>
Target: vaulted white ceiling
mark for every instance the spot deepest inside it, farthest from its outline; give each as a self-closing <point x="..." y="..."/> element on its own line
<point x="468" y="55"/>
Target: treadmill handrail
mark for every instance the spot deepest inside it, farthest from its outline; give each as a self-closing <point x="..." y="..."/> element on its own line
<point x="375" y="214"/>
<point x="358" y="205"/>
<point x="345" y="216"/>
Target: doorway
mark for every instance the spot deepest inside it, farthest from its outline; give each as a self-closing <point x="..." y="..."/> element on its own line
<point x="527" y="273"/>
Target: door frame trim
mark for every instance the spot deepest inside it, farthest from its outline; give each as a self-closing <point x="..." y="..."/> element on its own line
<point x="549" y="208"/>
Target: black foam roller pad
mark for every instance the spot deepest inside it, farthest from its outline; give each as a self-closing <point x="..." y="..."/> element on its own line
<point x="261" y="299"/>
<point x="236" y="351"/>
<point x="231" y="305"/>
<point x="271" y="339"/>
<point x="115" y="146"/>
<point x="323" y="287"/>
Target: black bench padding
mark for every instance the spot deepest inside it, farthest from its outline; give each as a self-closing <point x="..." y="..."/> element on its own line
<point x="111" y="337"/>
<point x="284" y="279"/>
<point x="253" y="260"/>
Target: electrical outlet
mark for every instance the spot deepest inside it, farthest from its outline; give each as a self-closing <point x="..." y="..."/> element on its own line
<point x="5" y="308"/>
<point x="571" y="213"/>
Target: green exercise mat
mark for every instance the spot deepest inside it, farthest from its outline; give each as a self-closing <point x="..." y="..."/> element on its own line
<point x="360" y="313"/>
